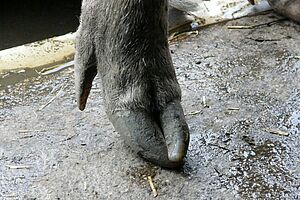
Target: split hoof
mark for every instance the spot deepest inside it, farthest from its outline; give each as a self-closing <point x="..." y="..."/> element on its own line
<point x="161" y="139"/>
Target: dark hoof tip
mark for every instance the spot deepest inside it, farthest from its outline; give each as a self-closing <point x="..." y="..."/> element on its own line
<point x="167" y="164"/>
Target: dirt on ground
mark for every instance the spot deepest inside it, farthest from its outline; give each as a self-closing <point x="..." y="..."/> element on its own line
<point x="241" y="97"/>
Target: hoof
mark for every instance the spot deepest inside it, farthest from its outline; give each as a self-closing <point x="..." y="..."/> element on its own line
<point x="161" y="139"/>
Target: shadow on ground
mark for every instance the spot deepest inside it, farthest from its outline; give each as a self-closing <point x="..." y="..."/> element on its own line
<point x="23" y="22"/>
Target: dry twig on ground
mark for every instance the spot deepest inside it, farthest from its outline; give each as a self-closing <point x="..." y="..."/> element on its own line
<point x="154" y="191"/>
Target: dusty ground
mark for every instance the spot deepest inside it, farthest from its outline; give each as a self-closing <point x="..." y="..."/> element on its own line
<point x="250" y="82"/>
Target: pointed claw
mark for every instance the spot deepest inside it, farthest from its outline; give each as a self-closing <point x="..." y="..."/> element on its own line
<point x="175" y="130"/>
<point x="84" y="81"/>
<point x="141" y="132"/>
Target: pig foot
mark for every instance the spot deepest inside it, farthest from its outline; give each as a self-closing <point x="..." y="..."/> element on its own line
<point x="161" y="138"/>
<point x="177" y="18"/>
<point x="287" y="8"/>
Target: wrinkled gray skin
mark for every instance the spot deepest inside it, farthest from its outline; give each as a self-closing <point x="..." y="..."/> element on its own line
<point x="125" y="43"/>
<point x="288" y="8"/>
